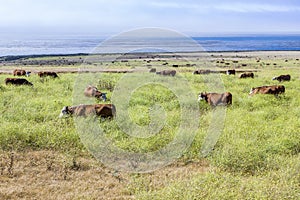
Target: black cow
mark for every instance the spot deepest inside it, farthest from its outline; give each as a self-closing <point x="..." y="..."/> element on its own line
<point x="247" y="75"/>
<point x="17" y="81"/>
<point x="230" y="72"/>
<point x="282" y="78"/>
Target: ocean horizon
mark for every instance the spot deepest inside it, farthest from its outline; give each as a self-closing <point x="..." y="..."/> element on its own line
<point x="48" y="45"/>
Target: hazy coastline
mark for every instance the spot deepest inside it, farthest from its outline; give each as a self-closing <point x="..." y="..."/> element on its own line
<point x="66" y="45"/>
<point x="222" y="60"/>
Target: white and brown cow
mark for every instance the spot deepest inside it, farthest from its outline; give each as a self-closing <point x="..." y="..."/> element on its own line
<point x="215" y="99"/>
<point x="45" y="74"/>
<point x="19" y="72"/>
<point x="272" y="89"/>
<point x="92" y="91"/>
<point x="101" y="110"/>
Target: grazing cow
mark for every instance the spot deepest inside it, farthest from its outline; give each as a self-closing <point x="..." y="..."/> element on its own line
<point x="44" y="74"/>
<point x="215" y="99"/>
<point x="17" y="81"/>
<point x="247" y="75"/>
<point x="167" y="72"/>
<point x="19" y="72"/>
<point x="282" y="78"/>
<point x="230" y="72"/>
<point x="273" y="89"/>
<point x="101" y="110"/>
<point x="152" y="70"/>
<point x="202" y="71"/>
<point x="92" y="91"/>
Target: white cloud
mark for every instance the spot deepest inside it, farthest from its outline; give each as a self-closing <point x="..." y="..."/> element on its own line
<point x="227" y="7"/>
<point x="109" y="15"/>
<point x="254" y="7"/>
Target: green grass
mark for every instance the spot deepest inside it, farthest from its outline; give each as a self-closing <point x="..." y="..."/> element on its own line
<point x="256" y="157"/>
<point x="279" y="184"/>
<point x="29" y="116"/>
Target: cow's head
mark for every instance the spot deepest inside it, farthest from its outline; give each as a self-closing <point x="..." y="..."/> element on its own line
<point x="100" y="96"/>
<point x="28" y="74"/>
<point x="251" y="91"/>
<point x="66" y="111"/>
<point x="92" y="89"/>
<point x="30" y="84"/>
<point x="97" y="94"/>
<point x="274" y="78"/>
<point x="202" y="96"/>
<point x="103" y="96"/>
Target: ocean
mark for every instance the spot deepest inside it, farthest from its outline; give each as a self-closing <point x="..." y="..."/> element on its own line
<point x="90" y="44"/>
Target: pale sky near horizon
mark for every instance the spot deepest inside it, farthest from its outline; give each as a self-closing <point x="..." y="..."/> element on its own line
<point x="113" y="16"/>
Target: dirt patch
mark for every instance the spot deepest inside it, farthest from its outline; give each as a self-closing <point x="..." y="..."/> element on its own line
<point x="53" y="175"/>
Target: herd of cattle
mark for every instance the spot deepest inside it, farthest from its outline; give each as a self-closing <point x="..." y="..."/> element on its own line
<point x="23" y="81"/>
<point x="109" y="110"/>
<point x="215" y="99"/>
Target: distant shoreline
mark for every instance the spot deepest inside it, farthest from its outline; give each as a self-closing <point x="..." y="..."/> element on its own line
<point x="70" y="63"/>
<point x="17" y="57"/>
<point x="64" y="46"/>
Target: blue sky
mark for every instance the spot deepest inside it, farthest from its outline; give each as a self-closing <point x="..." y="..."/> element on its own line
<point x="114" y="16"/>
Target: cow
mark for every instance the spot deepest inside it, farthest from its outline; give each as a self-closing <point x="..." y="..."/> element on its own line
<point x="247" y="75"/>
<point x="100" y="110"/>
<point x="167" y="72"/>
<point x="45" y="74"/>
<point x="215" y="99"/>
<point x="202" y="71"/>
<point x="230" y="72"/>
<point x="272" y="89"/>
<point x="152" y="70"/>
<point x="17" y="81"/>
<point x="282" y="78"/>
<point x="92" y="91"/>
<point x="19" y="72"/>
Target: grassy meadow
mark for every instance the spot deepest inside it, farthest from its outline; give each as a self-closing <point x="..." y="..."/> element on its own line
<point x="256" y="157"/>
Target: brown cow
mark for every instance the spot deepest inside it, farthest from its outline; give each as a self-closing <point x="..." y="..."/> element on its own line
<point x="167" y="72"/>
<point x="44" y="74"/>
<point x="17" y="81"/>
<point x="247" y="75"/>
<point x="282" y="78"/>
<point x="202" y="71"/>
<point x="273" y="89"/>
<point x="101" y="110"/>
<point x="215" y="99"/>
<point x="19" y="72"/>
<point x="152" y="70"/>
<point x="92" y="91"/>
